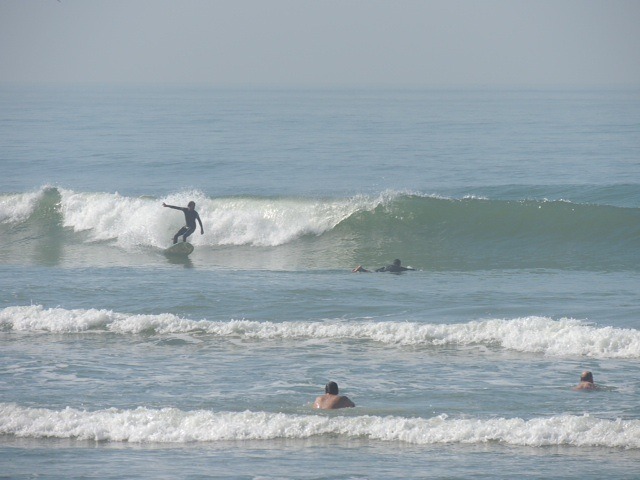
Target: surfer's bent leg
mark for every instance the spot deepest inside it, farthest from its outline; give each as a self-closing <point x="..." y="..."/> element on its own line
<point x="188" y="232"/>
<point x="180" y="232"/>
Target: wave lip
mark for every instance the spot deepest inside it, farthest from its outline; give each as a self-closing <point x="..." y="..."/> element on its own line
<point x="540" y="335"/>
<point x="171" y="425"/>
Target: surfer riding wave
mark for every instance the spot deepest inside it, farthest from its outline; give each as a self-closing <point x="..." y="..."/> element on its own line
<point x="190" y="216"/>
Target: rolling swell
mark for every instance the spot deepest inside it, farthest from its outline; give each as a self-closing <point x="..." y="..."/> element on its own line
<point x="427" y="232"/>
<point x="485" y="234"/>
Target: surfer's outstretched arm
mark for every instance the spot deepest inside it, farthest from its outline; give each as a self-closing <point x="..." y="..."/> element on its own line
<point x="171" y="206"/>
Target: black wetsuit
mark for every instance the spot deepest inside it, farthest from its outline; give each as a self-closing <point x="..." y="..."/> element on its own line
<point x="393" y="268"/>
<point x="190" y="217"/>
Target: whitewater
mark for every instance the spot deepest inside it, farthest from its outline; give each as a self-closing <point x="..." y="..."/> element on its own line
<point x="144" y="425"/>
<point x="564" y="337"/>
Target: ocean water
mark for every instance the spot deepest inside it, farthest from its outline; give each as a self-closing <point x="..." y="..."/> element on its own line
<point x="519" y="210"/>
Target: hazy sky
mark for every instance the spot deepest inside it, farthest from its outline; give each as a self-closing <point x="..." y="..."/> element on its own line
<point x="322" y="42"/>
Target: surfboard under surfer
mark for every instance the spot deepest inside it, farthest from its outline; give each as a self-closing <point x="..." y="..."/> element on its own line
<point x="190" y="216"/>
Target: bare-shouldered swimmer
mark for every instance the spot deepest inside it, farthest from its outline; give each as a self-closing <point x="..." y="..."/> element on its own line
<point x="331" y="400"/>
<point x="586" y="382"/>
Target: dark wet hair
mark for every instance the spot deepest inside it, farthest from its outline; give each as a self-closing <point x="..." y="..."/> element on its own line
<point x="396" y="262"/>
<point x="332" y="388"/>
<point x="586" y="377"/>
<point x="191" y="203"/>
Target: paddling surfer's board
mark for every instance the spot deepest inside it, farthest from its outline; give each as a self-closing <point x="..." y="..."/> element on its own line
<point x="180" y="249"/>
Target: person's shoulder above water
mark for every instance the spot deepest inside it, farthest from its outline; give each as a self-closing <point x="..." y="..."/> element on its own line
<point x="586" y="382"/>
<point x="331" y="400"/>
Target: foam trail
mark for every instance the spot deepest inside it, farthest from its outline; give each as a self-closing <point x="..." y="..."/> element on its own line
<point x="170" y="425"/>
<point x="564" y="337"/>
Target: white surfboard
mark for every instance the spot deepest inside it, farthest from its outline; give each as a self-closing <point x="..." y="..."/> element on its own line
<point x="180" y="249"/>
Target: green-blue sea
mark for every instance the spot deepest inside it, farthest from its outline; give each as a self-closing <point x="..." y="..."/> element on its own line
<point x="519" y="210"/>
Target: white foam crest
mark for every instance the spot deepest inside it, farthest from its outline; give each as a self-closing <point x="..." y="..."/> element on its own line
<point x="36" y="318"/>
<point x="227" y="221"/>
<point x="128" y="221"/>
<point x="564" y="337"/>
<point x="272" y="222"/>
<point x="165" y="323"/>
<point x="17" y="208"/>
<point x="171" y="425"/>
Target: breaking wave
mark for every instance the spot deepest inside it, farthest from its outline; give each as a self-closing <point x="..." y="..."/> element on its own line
<point x="540" y="335"/>
<point x="439" y="233"/>
<point x="171" y="425"/>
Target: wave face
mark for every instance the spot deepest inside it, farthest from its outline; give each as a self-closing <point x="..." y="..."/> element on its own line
<point x="170" y="425"/>
<point x="429" y="232"/>
<point x="541" y="335"/>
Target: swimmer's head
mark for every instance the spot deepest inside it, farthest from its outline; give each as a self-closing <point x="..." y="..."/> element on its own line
<point x="191" y="204"/>
<point x="586" y="377"/>
<point x="332" y="388"/>
<point x="396" y="262"/>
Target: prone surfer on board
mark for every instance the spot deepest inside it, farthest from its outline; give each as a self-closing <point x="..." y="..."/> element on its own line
<point x="190" y="216"/>
<point x="395" y="267"/>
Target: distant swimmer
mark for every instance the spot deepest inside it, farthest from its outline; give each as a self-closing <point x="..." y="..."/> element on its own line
<point x="395" y="267"/>
<point x="586" y="382"/>
<point x="190" y="216"/>
<point x="331" y="400"/>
